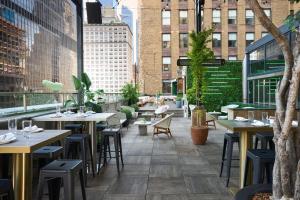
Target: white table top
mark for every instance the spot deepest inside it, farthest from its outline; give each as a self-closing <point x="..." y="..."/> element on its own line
<point x="35" y="141"/>
<point x="97" y="117"/>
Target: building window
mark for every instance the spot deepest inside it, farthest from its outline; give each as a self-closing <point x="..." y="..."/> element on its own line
<point x="166" y="87"/>
<point x="263" y="34"/>
<point x="183" y="14"/>
<point x="249" y="38"/>
<point x="166" y="64"/>
<point x="166" y="40"/>
<point x="216" y="42"/>
<point x="232" y="58"/>
<point x="183" y="40"/>
<point x="268" y="12"/>
<point x="232" y="40"/>
<point x="166" y="17"/>
<point x="216" y="16"/>
<point x="232" y="16"/>
<point x="249" y="17"/>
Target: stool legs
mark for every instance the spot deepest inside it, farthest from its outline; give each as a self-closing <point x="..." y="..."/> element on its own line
<point x="120" y="147"/>
<point x="223" y="155"/>
<point x="91" y="156"/>
<point x="228" y="161"/>
<point x="68" y="181"/>
<point x="116" y="144"/>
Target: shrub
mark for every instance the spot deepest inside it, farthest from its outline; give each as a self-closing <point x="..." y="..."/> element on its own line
<point x="135" y="106"/>
<point x="127" y="113"/>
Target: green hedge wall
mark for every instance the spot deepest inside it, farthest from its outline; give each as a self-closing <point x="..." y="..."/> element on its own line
<point x="222" y="85"/>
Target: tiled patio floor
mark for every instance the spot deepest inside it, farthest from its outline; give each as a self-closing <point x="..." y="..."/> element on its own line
<point x="162" y="168"/>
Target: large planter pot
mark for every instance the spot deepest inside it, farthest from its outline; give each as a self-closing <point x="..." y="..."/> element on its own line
<point x="199" y="134"/>
<point x="178" y="104"/>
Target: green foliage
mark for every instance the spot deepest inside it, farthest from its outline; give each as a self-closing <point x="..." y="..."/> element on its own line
<point x="130" y="93"/>
<point x="53" y="86"/>
<point x="222" y="85"/>
<point x="127" y="112"/>
<point x="91" y="99"/>
<point x="135" y="106"/>
<point x="198" y="55"/>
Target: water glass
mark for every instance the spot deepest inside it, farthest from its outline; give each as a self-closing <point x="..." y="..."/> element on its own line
<point x="251" y="116"/>
<point x="264" y="117"/>
<point x="12" y="125"/>
<point x="26" y="128"/>
<point x="81" y="109"/>
<point x="57" y="109"/>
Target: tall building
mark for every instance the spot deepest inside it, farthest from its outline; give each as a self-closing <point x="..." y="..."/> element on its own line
<point x="108" y="55"/>
<point x="39" y="40"/>
<point x="236" y="26"/>
<point x="164" y="26"/>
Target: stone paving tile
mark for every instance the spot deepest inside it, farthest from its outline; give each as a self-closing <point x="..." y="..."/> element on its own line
<point x="166" y="186"/>
<point x="165" y="171"/>
<point x="129" y="185"/>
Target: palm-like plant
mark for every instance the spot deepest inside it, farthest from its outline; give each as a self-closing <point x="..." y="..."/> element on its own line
<point x="130" y="93"/>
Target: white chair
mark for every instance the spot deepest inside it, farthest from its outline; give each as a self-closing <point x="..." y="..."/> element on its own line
<point x="163" y="126"/>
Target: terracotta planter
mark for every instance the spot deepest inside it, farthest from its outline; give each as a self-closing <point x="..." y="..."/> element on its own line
<point x="199" y="134"/>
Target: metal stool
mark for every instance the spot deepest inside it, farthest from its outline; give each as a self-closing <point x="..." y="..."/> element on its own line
<point x="229" y="140"/>
<point x="84" y="141"/>
<point x="6" y="190"/>
<point x="262" y="160"/>
<point x="116" y="134"/>
<point x="75" y="128"/>
<point x="61" y="170"/>
<point x="47" y="154"/>
<point x="264" y="138"/>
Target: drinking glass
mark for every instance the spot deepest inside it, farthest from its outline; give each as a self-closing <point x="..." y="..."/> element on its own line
<point x="12" y="125"/>
<point x="81" y="109"/>
<point x="264" y="117"/>
<point x="57" y="109"/>
<point x="26" y="128"/>
<point x="251" y="116"/>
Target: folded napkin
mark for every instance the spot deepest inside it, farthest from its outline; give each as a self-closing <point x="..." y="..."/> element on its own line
<point x="241" y="119"/>
<point x="33" y="129"/>
<point x="68" y="112"/>
<point x="90" y="112"/>
<point x="258" y="123"/>
<point x="294" y="123"/>
<point x="6" y="138"/>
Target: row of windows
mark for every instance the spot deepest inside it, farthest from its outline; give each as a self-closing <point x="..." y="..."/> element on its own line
<point x="183" y="40"/>
<point x="166" y="17"/>
<point x="232" y="16"/>
<point x="232" y="39"/>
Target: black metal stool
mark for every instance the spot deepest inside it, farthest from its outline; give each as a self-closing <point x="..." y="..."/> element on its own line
<point x="6" y="190"/>
<point x="262" y="159"/>
<point x="62" y="170"/>
<point x="116" y="134"/>
<point x="75" y="128"/>
<point x="264" y="139"/>
<point x="47" y="154"/>
<point x="84" y="141"/>
<point x="229" y="140"/>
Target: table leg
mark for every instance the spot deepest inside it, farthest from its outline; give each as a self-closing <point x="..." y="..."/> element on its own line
<point x="22" y="176"/>
<point x="245" y="144"/>
<point x="93" y="133"/>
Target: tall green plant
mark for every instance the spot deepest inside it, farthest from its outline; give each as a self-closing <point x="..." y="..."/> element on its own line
<point x="198" y="55"/>
<point x="87" y="97"/>
<point x="130" y="93"/>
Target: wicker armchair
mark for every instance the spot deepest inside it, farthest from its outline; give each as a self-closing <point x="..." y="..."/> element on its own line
<point x="163" y="126"/>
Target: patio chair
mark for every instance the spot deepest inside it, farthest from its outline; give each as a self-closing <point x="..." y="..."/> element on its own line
<point x="163" y="126"/>
<point x="210" y="121"/>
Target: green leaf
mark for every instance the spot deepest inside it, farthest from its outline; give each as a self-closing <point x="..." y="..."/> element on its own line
<point x="77" y="83"/>
<point x="86" y="80"/>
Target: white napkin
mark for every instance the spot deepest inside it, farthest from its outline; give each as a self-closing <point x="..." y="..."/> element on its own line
<point x="33" y="129"/>
<point x="241" y="119"/>
<point x="90" y="112"/>
<point x="8" y="137"/>
<point x="294" y="123"/>
<point x="56" y="115"/>
<point x="258" y="123"/>
<point x="68" y="112"/>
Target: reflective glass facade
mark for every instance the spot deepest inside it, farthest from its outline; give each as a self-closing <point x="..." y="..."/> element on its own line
<point x="38" y="40"/>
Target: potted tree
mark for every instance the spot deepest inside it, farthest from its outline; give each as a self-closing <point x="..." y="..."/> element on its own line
<point x="198" y="55"/>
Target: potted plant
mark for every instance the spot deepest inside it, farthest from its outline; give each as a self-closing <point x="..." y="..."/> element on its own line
<point x="88" y="98"/>
<point x="130" y="94"/>
<point x="198" y="55"/>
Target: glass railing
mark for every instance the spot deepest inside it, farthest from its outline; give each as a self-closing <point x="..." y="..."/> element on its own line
<point x="12" y="103"/>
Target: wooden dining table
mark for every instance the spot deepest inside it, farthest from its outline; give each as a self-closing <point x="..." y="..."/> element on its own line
<point x="21" y="150"/>
<point x="91" y="119"/>
<point x="246" y="131"/>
